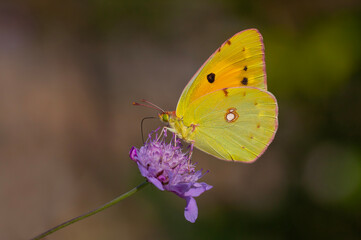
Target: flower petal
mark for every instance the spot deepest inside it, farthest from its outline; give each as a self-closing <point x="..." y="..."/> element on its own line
<point x="143" y="170"/>
<point x="197" y="189"/>
<point x="145" y="173"/>
<point x="156" y="183"/>
<point x="191" y="210"/>
<point x="180" y="189"/>
<point x="133" y="154"/>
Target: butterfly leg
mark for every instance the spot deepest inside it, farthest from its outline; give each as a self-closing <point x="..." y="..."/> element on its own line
<point x="193" y="126"/>
<point x="164" y="131"/>
<point x="175" y="139"/>
<point x="172" y="130"/>
<point x="190" y="153"/>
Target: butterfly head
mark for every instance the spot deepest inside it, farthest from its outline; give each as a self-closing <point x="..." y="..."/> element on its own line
<point x="166" y="116"/>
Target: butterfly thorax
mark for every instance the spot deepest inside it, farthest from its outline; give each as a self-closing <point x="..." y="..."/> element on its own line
<point x="178" y="127"/>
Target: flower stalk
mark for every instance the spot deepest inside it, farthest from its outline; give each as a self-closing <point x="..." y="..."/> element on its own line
<point x="90" y="213"/>
<point x="167" y="167"/>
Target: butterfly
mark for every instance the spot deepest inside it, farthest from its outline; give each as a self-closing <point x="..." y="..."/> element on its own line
<point x="225" y="110"/>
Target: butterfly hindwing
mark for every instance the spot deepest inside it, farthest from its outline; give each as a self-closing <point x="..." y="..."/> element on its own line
<point x="238" y="62"/>
<point x="234" y="123"/>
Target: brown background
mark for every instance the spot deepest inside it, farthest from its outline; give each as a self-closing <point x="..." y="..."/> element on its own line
<point x="69" y="72"/>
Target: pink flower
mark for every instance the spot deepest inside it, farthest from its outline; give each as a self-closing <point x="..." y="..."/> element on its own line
<point x="168" y="168"/>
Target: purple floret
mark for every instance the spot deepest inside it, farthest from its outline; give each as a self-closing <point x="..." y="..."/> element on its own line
<point x="168" y="168"/>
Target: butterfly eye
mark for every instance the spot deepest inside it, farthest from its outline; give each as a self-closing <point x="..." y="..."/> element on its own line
<point x="165" y="117"/>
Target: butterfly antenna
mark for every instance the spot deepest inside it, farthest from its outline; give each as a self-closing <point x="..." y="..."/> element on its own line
<point x="141" y="127"/>
<point x="149" y="106"/>
<point x="145" y="101"/>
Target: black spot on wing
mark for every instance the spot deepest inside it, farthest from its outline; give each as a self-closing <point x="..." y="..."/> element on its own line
<point x="244" y="81"/>
<point x="211" y="77"/>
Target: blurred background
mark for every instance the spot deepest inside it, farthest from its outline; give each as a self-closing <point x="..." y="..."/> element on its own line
<point x="70" y="70"/>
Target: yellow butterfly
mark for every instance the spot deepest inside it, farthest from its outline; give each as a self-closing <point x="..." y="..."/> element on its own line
<point x="225" y="110"/>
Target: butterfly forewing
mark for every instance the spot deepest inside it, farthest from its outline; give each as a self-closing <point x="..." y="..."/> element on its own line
<point x="235" y="123"/>
<point x="238" y="62"/>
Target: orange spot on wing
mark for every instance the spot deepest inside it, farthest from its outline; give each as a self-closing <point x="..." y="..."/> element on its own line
<point x="225" y="92"/>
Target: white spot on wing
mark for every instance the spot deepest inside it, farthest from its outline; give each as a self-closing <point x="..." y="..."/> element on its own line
<point x="230" y="116"/>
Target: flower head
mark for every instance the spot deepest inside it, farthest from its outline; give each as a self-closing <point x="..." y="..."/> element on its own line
<point x="168" y="168"/>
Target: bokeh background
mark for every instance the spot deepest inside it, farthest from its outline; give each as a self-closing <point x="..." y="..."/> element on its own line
<point x="70" y="70"/>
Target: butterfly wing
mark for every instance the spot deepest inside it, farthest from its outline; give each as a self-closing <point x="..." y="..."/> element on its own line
<point x="238" y="62"/>
<point x="233" y="124"/>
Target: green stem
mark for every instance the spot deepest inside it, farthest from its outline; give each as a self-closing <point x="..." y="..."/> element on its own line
<point x="90" y="213"/>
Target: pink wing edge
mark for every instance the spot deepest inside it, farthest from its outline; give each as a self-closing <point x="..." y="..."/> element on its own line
<point x="274" y="133"/>
<point x="210" y="57"/>
<point x="272" y="137"/>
